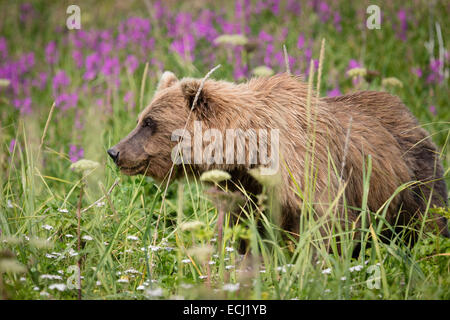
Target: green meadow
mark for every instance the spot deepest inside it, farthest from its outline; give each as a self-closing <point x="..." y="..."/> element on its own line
<point x="71" y="94"/>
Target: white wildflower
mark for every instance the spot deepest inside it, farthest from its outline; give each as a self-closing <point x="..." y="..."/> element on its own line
<point x="356" y="268"/>
<point x="230" y="287"/>
<point x="47" y="227"/>
<point x="87" y="238"/>
<point x="229" y="267"/>
<point x="133" y="238"/>
<point x="191" y="225"/>
<point x="326" y="271"/>
<point x="72" y="252"/>
<point x="262" y="71"/>
<point x="131" y="271"/>
<point x="63" y="210"/>
<point x="186" y="261"/>
<point x="123" y="280"/>
<point x="215" y="176"/>
<point x="69" y="236"/>
<point x="50" y="277"/>
<point x="57" y="286"/>
<point x="101" y="204"/>
<point x="157" y="292"/>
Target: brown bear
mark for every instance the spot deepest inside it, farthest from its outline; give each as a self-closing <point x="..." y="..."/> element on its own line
<point x="328" y="139"/>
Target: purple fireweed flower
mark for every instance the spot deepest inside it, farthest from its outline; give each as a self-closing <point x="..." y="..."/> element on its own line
<point x="184" y="46"/>
<point x="264" y="36"/>
<point x="26" y="62"/>
<point x="27" y="12"/>
<point x="40" y="81"/>
<point x="204" y="27"/>
<point x="301" y="41"/>
<point x="75" y="153"/>
<point x="66" y="100"/>
<point x="12" y="144"/>
<point x="417" y="72"/>
<point x="128" y="99"/>
<point x="337" y="21"/>
<point x="294" y="7"/>
<point x="60" y="80"/>
<point x="268" y="54"/>
<point x="92" y="64"/>
<point x="308" y="55"/>
<point x="401" y="33"/>
<point x="334" y="92"/>
<point x="435" y="75"/>
<point x="353" y="64"/>
<point x="51" y="53"/>
<point x="131" y="63"/>
<point x="324" y="11"/>
<point x="432" y="109"/>
<point x="24" y="105"/>
<point x="159" y="10"/>
<point x="275" y="8"/>
<point x="77" y="56"/>
<point x="111" y="66"/>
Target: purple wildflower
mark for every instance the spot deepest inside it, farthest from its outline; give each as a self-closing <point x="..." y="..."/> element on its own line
<point x="435" y="75"/>
<point x="51" y="53"/>
<point x="432" y="109"/>
<point x="75" y="153"/>
<point x="301" y="41"/>
<point x="111" y="66"/>
<point x="401" y="15"/>
<point x="334" y="92"/>
<point x="131" y="63"/>
<point x="417" y="72"/>
<point x="60" y="80"/>
<point x="12" y="144"/>
<point x="128" y="99"/>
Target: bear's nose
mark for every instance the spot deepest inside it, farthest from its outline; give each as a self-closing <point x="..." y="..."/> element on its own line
<point x="114" y="154"/>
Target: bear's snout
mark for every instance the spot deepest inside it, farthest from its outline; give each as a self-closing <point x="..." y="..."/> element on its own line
<point x="114" y="154"/>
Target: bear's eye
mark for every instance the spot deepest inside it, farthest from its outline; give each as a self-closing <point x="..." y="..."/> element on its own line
<point x="149" y="123"/>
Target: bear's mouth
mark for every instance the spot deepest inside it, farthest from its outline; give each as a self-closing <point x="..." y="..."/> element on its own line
<point x="138" y="169"/>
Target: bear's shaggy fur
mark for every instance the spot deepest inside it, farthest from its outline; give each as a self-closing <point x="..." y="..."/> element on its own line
<point x="346" y="130"/>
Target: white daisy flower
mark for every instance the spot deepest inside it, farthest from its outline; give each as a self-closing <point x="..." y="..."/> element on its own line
<point x="50" y="277"/>
<point x="356" y="268"/>
<point x="57" y="286"/>
<point x="326" y="271"/>
<point x="230" y="287"/>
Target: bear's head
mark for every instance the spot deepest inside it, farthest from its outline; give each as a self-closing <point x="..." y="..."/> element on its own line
<point x="148" y="148"/>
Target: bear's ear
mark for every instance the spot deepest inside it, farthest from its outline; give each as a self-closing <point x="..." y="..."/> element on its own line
<point x="189" y="88"/>
<point x="167" y="80"/>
